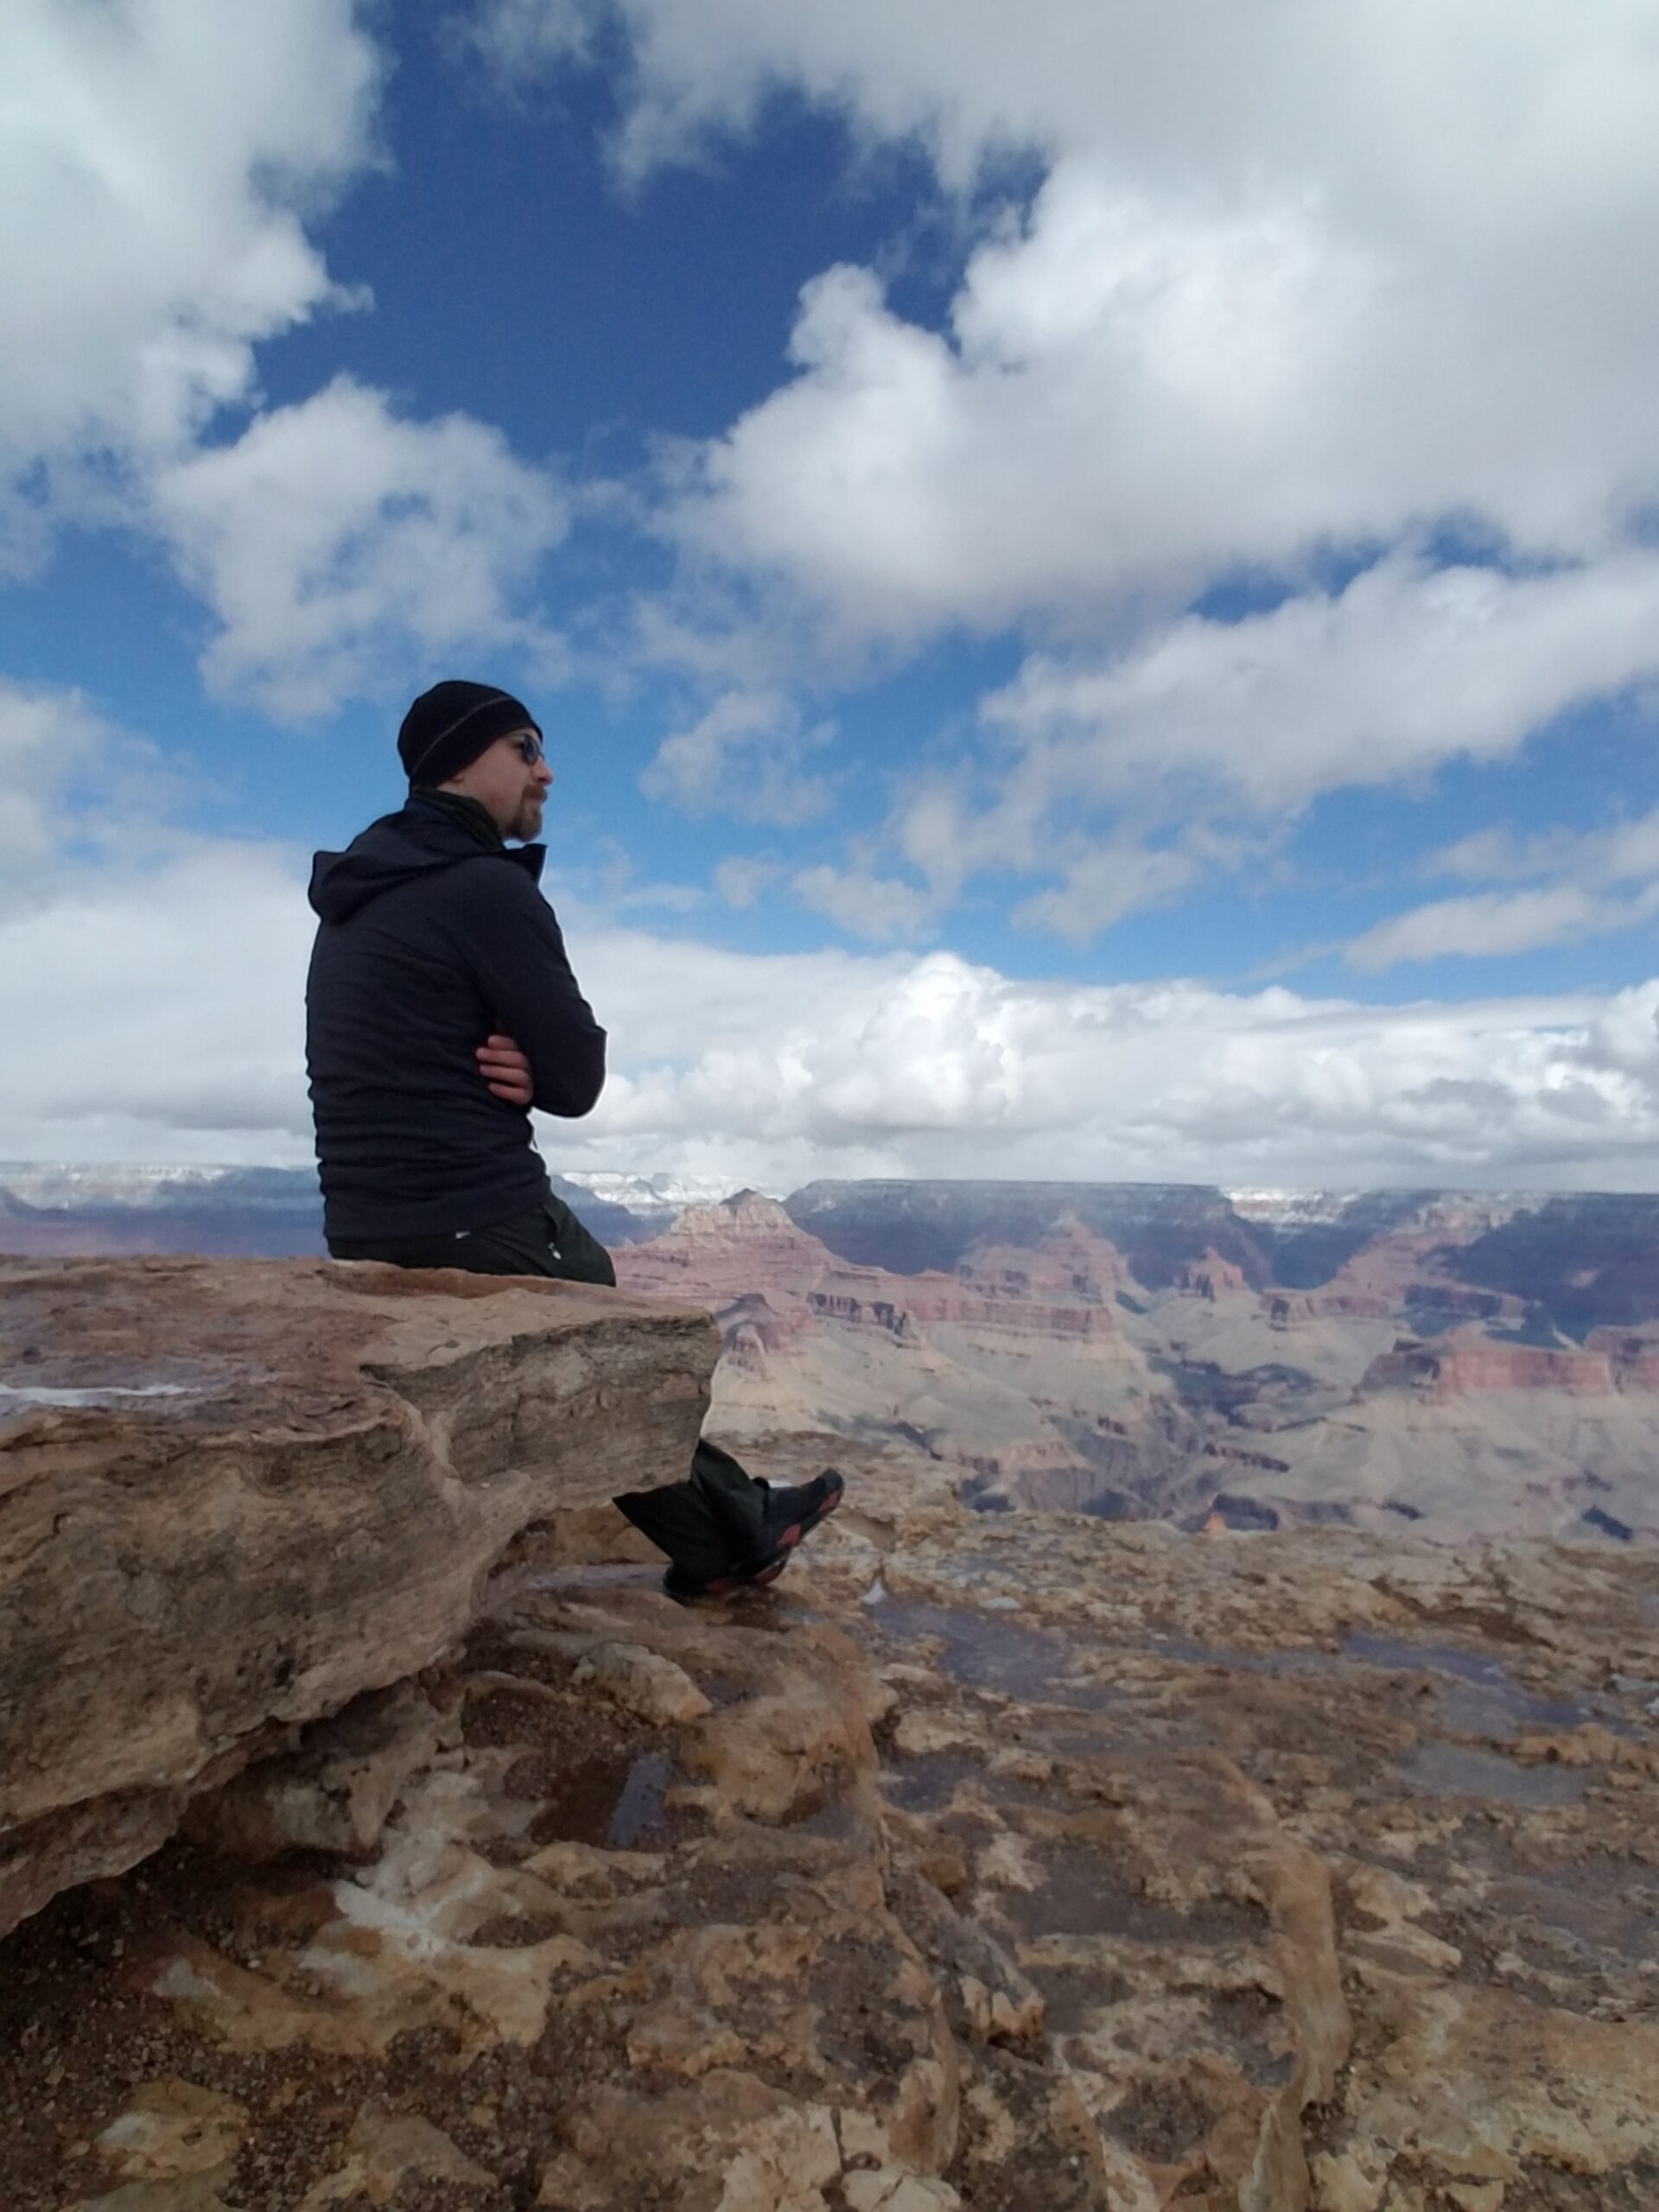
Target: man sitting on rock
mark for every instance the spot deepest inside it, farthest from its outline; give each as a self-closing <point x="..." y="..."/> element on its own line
<point x="439" y="1008"/>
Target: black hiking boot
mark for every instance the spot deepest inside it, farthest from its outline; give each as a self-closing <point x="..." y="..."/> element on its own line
<point x="680" y="1583"/>
<point x="791" y="1513"/>
<point x="787" y="1517"/>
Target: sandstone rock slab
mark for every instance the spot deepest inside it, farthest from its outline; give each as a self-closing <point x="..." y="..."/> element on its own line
<point x="233" y="1496"/>
<point x="335" y="1792"/>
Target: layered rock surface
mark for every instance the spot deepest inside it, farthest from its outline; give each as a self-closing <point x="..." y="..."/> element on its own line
<point x="991" y="1369"/>
<point x="1017" y="1864"/>
<point x="1163" y="1377"/>
<point x="233" y="1497"/>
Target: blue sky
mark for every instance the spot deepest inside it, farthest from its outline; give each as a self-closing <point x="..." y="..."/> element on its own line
<point x="1092" y="583"/>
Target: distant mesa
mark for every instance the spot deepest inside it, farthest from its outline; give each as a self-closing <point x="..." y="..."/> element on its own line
<point x="1461" y="1364"/>
<point x="1177" y="1375"/>
<point x="53" y="1211"/>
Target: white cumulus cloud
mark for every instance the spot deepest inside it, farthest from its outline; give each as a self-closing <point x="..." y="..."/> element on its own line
<point x="160" y="163"/>
<point x="1592" y="884"/>
<point x="864" y="904"/>
<point x="1622" y="853"/>
<point x="1139" y="409"/>
<point x="1294" y="274"/>
<point x="49" y="743"/>
<point x="157" y="161"/>
<point x="333" y="536"/>
<point x="1496" y="922"/>
<point x="929" y="1065"/>
<point x="746" y="755"/>
<point x="1296" y="281"/>
<point x="1180" y="755"/>
<point x="1409" y="666"/>
<point x="162" y="1006"/>
<point x="161" y="990"/>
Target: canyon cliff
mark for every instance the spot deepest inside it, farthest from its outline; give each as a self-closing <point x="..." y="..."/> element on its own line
<point x="1167" y="1352"/>
<point x="412" y="1849"/>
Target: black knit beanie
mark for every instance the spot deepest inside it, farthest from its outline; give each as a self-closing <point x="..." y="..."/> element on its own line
<point x="449" y="726"/>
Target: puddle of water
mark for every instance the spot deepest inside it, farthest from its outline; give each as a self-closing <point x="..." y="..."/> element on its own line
<point x="927" y="1783"/>
<point x="1300" y="1659"/>
<point x="994" y="1653"/>
<point x="1607" y="1909"/>
<point x="1081" y="1894"/>
<point x="1458" y="1770"/>
<point x="1442" y="1658"/>
<point x="605" y="1801"/>
<point x="640" y="1805"/>
<point x="1487" y="1702"/>
<point x="1500" y="1712"/>
<point x="1482" y="1700"/>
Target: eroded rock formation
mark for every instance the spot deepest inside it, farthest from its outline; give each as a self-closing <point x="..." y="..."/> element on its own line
<point x="1052" y="1375"/>
<point x="995" y="1368"/>
<point x="985" y="1864"/>
<point x="233" y="1497"/>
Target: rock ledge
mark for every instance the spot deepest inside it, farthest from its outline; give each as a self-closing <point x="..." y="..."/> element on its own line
<point x="233" y="1496"/>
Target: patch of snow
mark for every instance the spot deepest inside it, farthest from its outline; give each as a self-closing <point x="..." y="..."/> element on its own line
<point x="59" y="1186"/>
<point x="650" y="1192"/>
<point x="43" y="1183"/>
<point x="1280" y="1207"/>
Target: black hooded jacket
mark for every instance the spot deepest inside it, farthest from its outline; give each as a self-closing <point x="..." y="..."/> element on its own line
<point x="432" y="936"/>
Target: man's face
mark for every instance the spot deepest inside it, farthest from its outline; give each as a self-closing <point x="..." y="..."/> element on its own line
<point x="511" y="787"/>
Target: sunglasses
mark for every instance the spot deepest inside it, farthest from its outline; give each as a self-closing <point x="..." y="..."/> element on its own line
<point x="528" y="747"/>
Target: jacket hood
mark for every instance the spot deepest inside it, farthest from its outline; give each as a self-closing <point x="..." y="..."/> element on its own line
<point x="416" y="841"/>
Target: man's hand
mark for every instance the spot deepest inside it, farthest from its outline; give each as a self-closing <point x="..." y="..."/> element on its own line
<point x="506" y="1071"/>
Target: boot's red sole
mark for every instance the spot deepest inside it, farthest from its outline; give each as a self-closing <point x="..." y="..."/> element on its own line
<point x="792" y="1536"/>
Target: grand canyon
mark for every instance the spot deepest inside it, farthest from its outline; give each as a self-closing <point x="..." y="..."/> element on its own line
<point x="1447" y="1362"/>
<point x="376" y="1835"/>
<point x="1452" y="1363"/>
<point x="1207" y="1765"/>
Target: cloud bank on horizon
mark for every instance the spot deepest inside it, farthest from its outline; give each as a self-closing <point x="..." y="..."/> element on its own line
<point x="1028" y="532"/>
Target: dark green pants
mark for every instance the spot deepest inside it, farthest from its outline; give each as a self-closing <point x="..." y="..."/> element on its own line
<point x="705" y="1524"/>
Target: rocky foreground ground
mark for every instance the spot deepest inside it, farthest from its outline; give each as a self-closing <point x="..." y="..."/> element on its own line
<point x="1016" y="1863"/>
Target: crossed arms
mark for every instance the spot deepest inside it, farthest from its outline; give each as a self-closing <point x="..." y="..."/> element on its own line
<point x="545" y="1048"/>
<point x="505" y="1070"/>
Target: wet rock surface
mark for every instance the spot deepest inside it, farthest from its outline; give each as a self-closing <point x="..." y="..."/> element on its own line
<point x="1016" y="1863"/>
